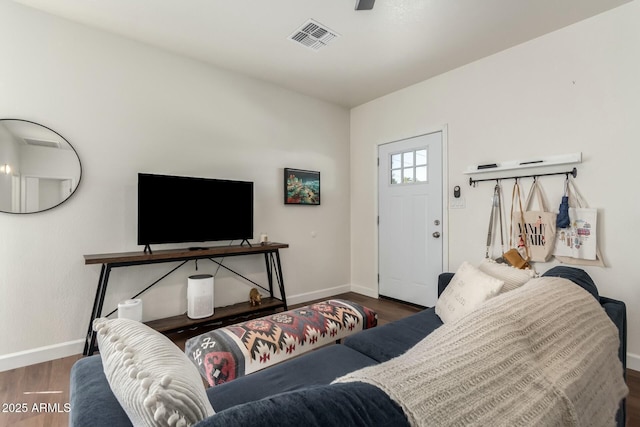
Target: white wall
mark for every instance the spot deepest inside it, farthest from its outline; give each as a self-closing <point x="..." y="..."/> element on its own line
<point x="128" y="108"/>
<point x="575" y="90"/>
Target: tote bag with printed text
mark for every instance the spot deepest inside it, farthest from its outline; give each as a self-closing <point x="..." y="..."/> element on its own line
<point x="540" y="224"/>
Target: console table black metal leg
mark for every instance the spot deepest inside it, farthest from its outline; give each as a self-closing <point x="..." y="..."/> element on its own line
<point x="85" y="352"/>
<point x="280" y="280"/>
<point x="90" y="340"/>
<point x="274" y="266"/>
<point x="267" y="261"/>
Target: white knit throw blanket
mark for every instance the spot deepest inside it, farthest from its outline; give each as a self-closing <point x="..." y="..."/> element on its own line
<point x="545" y="354"/>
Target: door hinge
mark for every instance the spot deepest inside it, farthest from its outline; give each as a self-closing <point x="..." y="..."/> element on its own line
<point x="378" y="278"/>
<point x="378" y="220"/>
<point x="378" y="161"/>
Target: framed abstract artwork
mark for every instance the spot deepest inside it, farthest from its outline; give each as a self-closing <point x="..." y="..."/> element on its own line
<point x="301" y="187"/>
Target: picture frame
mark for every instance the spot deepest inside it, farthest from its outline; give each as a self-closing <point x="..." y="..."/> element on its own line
<point x="301" y="187"/>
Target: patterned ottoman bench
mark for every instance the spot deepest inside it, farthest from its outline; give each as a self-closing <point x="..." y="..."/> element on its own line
<point x="225" y="354"/>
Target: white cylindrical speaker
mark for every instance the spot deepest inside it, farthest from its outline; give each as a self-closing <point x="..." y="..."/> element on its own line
<point x="200" y="296"/>
<point x="130" y="309"/>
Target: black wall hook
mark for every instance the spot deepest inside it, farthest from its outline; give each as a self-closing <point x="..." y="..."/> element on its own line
<point x="573" y="172"/>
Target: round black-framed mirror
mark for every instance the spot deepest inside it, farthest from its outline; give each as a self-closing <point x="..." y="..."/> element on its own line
<point x="39" y="168"/>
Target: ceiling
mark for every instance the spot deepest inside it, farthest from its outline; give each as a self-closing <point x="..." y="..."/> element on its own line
<point x="397" y="44"/>
<point x="29" y="133"/>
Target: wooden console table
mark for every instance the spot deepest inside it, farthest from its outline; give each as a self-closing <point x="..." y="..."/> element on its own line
<point x="127" y="259"/>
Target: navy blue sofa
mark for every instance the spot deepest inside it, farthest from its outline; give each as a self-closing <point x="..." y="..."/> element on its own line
<point x="298" y="391"/>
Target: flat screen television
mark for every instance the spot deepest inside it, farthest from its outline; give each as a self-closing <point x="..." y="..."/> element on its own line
<point x="177" y="209"/>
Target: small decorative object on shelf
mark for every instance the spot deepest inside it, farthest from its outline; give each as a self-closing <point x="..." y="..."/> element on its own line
<point x="254" y="297"/>
<point x="264" y="239"/>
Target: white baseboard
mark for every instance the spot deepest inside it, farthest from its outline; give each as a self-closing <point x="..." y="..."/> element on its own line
<point x="310" y="296"/>
<point x="633" y="362"/>
<point x="325" y="293"/>
<point x="368" y="292"/>
<point x="40" y="354"/>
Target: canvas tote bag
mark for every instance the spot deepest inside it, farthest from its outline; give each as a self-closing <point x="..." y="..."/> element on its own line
<point x="518" y="256"/>
<point x="577" y="244"/>
<point x="540" y="226"/>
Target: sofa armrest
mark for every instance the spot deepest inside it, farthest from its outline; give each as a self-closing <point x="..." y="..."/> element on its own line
<point x="92" y="402"/>
<point x="617" y="312"/>
<point x="443" y="281"/>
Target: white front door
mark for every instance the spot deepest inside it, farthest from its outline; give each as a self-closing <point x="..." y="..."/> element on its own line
<point x="410" y="248"/>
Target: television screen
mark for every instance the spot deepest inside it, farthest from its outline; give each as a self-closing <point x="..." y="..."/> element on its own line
<point x="175" y="209"/>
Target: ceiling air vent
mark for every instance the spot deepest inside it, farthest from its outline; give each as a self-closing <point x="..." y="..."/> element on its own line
<point x="313" y="35"/>
<point x="42" y="143"/>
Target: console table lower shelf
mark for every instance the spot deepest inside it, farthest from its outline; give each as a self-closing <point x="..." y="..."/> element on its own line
<point x="222" y="316"/>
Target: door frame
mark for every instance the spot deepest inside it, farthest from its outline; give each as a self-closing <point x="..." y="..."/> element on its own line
<point x="445" y="197"/>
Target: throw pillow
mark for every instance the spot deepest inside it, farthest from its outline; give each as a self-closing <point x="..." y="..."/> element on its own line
<point x="468" y="288"/>
<point x="512" y="277"/>
<point x="151" y="377"/>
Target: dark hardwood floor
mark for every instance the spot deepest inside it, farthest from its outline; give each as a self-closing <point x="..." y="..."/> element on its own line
<point x="35" y="396"/>
<point x="633" y="400"/>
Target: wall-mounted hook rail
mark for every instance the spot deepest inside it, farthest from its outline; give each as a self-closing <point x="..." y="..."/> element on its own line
<point x="573" y="173"/>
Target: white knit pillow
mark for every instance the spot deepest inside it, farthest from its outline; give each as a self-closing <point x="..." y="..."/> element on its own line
<point x="468" y="288"/>
<point x="512" y="277"/>
<point x="151" y="377"/>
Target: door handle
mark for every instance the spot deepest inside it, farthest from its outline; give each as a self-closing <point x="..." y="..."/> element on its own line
<point x="436" y="234"/>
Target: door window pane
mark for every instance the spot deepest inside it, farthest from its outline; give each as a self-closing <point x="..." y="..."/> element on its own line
<point x="396" y="161"/>
<point x="407" y="175"/>
<point x="396" y="176"/>
<point x="409" y="167"/>
<point x="407" y="159"/>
